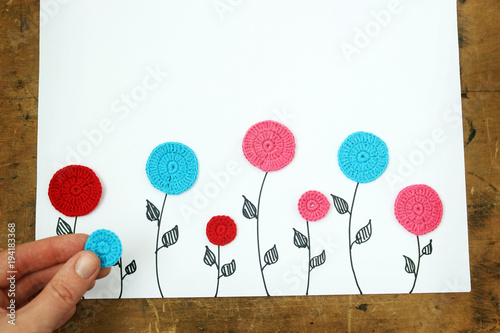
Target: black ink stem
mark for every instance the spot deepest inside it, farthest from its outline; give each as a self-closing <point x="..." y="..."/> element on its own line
<point x="121" y="278"/>
<point x="350" y="244"/>
<point x="218" y="270"/>
<point x="157" y="239"/>
<point x="309" y="261"/>
<point x="74" y="225"/>
<point x="258" y="243"/>
<point x="418" y="265"/>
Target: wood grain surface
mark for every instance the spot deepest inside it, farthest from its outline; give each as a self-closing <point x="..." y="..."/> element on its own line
<point x="479" y="29"/>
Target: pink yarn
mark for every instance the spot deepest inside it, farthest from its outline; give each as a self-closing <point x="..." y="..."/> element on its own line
<point x="313" y="206"/>
<point x="418" y="209"/>
<point x="269" y="145"/>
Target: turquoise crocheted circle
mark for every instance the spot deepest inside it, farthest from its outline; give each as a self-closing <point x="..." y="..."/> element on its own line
<point x="106" y="245"/>
<point x="363" y="157"/>
<point x="172" y="167"/>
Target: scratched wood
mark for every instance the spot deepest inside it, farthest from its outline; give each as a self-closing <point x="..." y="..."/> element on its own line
<point x="479" y="30"/>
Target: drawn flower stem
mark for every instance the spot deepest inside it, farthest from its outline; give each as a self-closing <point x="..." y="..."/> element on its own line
<point x="258" y="242"/>
<point x="157" y="240"/>
<point x="121" y="277"/>
<point x="218" y="270"/>
<point x="309" y="261"/>
<point x="74" y="225"/>
<point x="418" y="265"/>
<point x="350" y="242"/>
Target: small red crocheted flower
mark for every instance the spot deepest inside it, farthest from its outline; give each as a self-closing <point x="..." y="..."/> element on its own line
<point x="269" y="145"/>
<point x="418" y="209"/>
<point x="221" y="230"/>
<point x="75" y="190"/>
<point x="313" y="206"/>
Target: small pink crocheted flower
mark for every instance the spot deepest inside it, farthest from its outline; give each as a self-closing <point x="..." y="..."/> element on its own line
<point x="313" y="206"/>
<point x="269" y="145"/>
<point x="418" y="209"/>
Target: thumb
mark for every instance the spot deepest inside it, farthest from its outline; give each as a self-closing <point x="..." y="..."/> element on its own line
<point x="62" y="293"/>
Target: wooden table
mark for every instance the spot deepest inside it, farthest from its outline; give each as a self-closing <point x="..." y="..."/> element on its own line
<point x="479" y="28"/>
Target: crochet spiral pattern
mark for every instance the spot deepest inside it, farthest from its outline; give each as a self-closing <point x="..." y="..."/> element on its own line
<point x="221" y="230"/>
<point x="75" y="190"/>
<point x="418" y="209"/>
<point x="363" y="157"/>
<point x="172" y="168"/>
<point x="269" y="146"/>
<point x="313" y="206"/>
<point x="106" y="245"/>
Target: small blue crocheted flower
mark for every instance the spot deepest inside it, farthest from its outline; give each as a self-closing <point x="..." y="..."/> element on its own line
<point x="363" y="157"/>
<point x="172" y="167"/>
<point x="106" y="245"/>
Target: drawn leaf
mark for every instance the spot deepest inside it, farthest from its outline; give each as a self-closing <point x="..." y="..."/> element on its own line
<point x="63" y="228"/>
<point x="131" y="268"/>
<point x="170" y="237"/>
<point x="152" y="213"/>
<point x="409" y="265"/>
<point x="427" y="249"/>
<point x="299" y="239"/>
<point x="249" y="210"/>
<point x="340" y="204"/>
<point x="271" y="256"/>
<point x="317" y="261"/>
<point x="209" y="257"/>
<point x="364" y="233"/>
<point x="229" y="269"/>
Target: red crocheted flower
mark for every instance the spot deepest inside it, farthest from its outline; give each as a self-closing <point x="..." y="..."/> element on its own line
<point x="419" y="209"/>
<point x="313" y="206"/>
<point x="269" y="146"/>
<point x="75" y="190"/>
<point x="221" y="230"/>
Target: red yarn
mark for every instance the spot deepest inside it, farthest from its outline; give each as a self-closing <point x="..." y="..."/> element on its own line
<point x="75" y="190"/>
<point x="221" y="230"/>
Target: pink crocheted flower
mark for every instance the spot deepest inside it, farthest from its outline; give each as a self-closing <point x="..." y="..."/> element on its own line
<point x="313" y="206"/>
<point x="419" y="209"/>
<point x="269" y="145"/>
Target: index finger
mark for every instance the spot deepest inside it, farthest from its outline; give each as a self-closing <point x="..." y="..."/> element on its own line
<point x="34" y="256"/>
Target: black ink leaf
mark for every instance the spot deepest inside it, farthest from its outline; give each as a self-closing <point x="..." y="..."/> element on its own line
<point x="152" y="213"/>
<point x="427" y="249"/>
<point x="364" y="233"/>
<point x="170" y="237"/>
<point x="299" y="239"/>
<point x="249" y="210"/>
<point x="317" y="261"/>
<point x="131" y="268"/>
<point x="340" y="204"/>
<point x="209" y="258"/>
<point x="271" y="256"/>
<point x="409" y="266"/>
<point x="229" y="269"/>
<point x="63" y="228"/>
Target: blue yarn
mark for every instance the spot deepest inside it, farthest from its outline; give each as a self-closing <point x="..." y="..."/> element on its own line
<point x="106" y="245"/>
<point x="363" y="157"/>
<point x="172" y="167"/>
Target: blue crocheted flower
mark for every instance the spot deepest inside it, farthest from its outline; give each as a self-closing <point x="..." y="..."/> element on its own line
<point x="172" y="168"/>
<point x="363" y="157"/>
<point x="106" y="245"/>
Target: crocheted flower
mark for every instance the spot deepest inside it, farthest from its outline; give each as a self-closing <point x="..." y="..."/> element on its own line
<point x="419" y="209"/>
<point x="106" y="245"/>
<point x="363" y="157"/>
<point x="221" y="230"/>
<point x="269" y="146"/>
<point x="313" y="206"/>
<point x="75" y="190"/>
<point x="172" y="168"/>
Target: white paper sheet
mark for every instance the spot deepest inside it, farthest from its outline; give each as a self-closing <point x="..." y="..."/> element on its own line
<point x="118" y="78"/>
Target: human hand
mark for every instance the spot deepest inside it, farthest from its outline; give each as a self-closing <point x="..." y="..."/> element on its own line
<point x="52" y="276"/>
